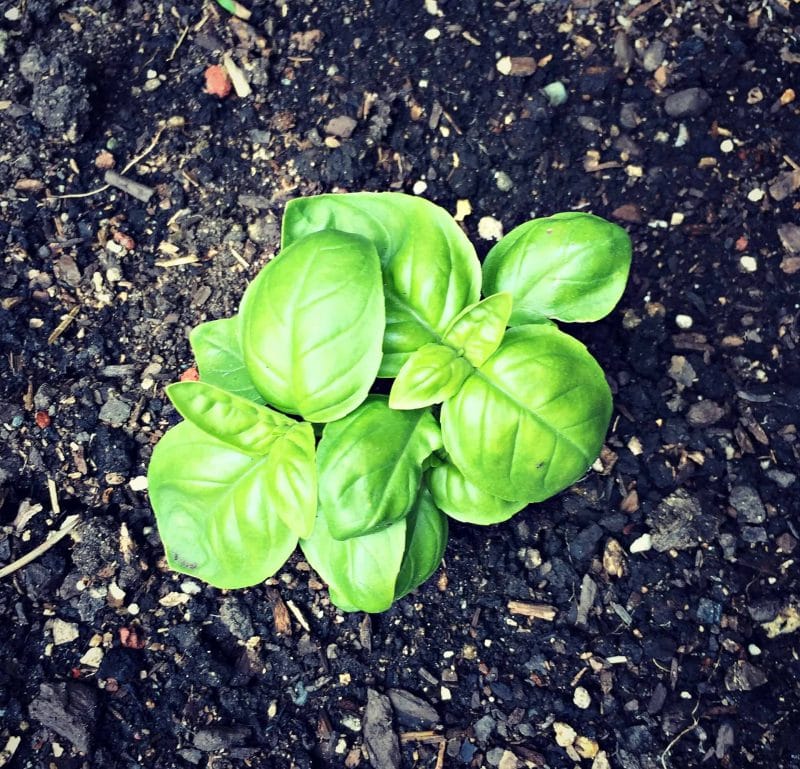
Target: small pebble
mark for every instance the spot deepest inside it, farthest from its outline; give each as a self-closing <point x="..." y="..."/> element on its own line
<point x="93" y="657"/>
<point x="64" y="632"/>
<point x="641" y="544"/>
<point x="490" y="228"/>
<point x="581" y="698"/>
<point x="445" y="694"/>
<point x="139" y="483"/>
<point x="755" y="195"/>
<point x="684" y="321"/>
<point x="503" y="181"/>
<point x="133" y="609"/>
<point x="753" y="650"/>
<point x="419" y="187"/>
<point x="749" y="263"/>
<point x="726" y="146"/>
<point x="432" y="34"/>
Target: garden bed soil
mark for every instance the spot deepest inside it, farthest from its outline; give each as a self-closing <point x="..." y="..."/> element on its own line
<point x="647" y="617"/>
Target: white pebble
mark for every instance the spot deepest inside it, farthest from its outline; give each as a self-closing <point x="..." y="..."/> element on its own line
<point x="139" y="483"/>
<point x="93" y="657"/>
<point x="581" y="698"/>
<point x="749" y="263"/>
<point x="432" y="34"/>
<point x="726" y="146"/>
<point x="754" y="650"/>
<point x="755" y="195"/>
<point x="641" y="544"/>
<point x="684" y="321"/>
<point x="190" y="588"/>
<point x="64" y="632"/>
<point x="490" y="228"/>
<point x="133" y="609"/>
<point x="419" y="187"/>
<point x="445" y="694"/>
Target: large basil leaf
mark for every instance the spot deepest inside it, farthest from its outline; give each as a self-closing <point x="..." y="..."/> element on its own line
<point x="237" y="421"/>
<point x="291" y="471"/>
<point x="464" y="501"/>
<point x="532" y="419"/>
<point x="478" y="330"/>
<point x="571" y="266"/>
<point x="370" y="466"/>
<point x="432" y="374"/>
<point x="214" y="510"/>
<point x="218" y="353"/>
<point x="312" y="325"/>
<point x="361" y="572"/>
<point x="430" y="270"/>
<point x="426" y="539"/>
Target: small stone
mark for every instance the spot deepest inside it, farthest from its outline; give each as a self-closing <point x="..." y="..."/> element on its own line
<point x="754" y="534"/>
<point x="64" y="632"/>
<point x="463" y="210"/>
<point x="681" y="371"/>
<point x="654" y="55"/>
<point x="516" y="66"/>
<point x="684" y="322"/>
<point x="744" y="677"/>
<point x="490" y="228"/>
<point x="432" y="34"/>
<point x="581" y="698"/>
<point x="503" y="181"/>
<point x="13" y="14"/>
<point x="726" y="146"/>
<point x="236" y="617"/>
<point x="680" y="522"/>
<point x="614" y="561"/>
<point x="753" y="650"/>
<point x="341" y="126"/>
<point x="351" y="722"/>
<point x="483" y="728"/>
<point x="781" y="477"/>
<point x="565" y="734"/>
<point x="690" y="102"/>
<point x="747" y="504"/>
<point x="419" y="187"/>
<point x="115" y="411"/>
<point x="139" y="483"/>
<point x="93" y="657"/>
<point x="556" y="93"/>
<point x="756" y="195"/>
<point x="412" y="711"/>
<point x="508" y="761"/>
<point x="704" y="413"/>
<point x="641" y="544"/>
<point x="601" y="761"/>
<point x="151" y="85"/>
<point x="709" y="612"/>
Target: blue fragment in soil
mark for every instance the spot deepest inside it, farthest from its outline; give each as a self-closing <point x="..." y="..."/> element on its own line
<point x="709" y="612"/>
<point x="300" y="695"/>
<point x="467" y="752"/>
<point x="17" y="421"/>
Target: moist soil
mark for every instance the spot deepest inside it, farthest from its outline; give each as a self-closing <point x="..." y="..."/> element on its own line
<point x="645" y="618"/>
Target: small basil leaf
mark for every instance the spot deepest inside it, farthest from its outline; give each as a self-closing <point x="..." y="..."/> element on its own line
<point x="237" y="421"/>
<point x="213" y="510"/>
<point x="218" y="353"/>
<point x="312" y="325"/>
<point x="479" y="328"/>
<point x="361" y="572"/>
<point x="370" y="466"/>
<point x="426" y="539"/>
<point x="430" y="269"/>
<point x="432" y="374"/>
<point x="292" y="478"/>
<point x="464" y="501"/>
<point x="532" y="419"/>
<point x="571" y="266"/>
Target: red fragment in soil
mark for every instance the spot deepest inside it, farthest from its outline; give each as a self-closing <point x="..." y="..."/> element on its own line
<point x="190" y="375"/>
<point x="742" y="243"/>
<point x="129" y="637"/>
<point x="42" y="419"/>
<point x="217" y="81"/>
<point x="126" y="241"/>
<point x="75" y="672"/>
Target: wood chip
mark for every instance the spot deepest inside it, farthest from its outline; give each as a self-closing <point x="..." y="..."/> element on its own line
<point x="516" y="66"/>
<point x="237" y="76"/>
<point x="280" y="614"/>
<point x="541" y="611"/>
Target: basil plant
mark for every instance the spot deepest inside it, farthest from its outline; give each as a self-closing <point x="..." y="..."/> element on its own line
<point x="290" y="438"/>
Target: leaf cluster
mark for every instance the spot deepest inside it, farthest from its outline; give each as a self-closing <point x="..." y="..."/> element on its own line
<point x="287" y="438"/>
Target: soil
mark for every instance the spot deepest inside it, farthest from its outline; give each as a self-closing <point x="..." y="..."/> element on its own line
<point x="646" y="618"/>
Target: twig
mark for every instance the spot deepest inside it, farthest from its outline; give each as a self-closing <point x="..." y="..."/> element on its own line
<point x="127" y="168"/>
<point x="679" y="736"/>
<point x="64" y="325"/>
<point x="177" y="45"/>
<point x="126" y="184"/>
<point x="70" y="522"/>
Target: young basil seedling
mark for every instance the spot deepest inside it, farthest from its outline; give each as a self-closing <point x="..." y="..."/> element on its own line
<point x="286" y="440"/>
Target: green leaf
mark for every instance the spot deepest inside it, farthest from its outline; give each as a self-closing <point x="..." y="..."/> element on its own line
<point x="214" y="512"/>
<point x="532" y="419"/>
<point x="237" y="421"/>
<point x="430" y="270"/>
<point x="432" y="374"/>
<point x="361" y="572"/>
<point x="571" y="266"/>
<point x="464" y="501"/>
<point x="426" y="539"/>
<point x="370" y="466"/>
<point x="312" y="325"/>
<point x="291" y="471"/>
<point x="218" y="353"/>
<point x="478" y="330"/>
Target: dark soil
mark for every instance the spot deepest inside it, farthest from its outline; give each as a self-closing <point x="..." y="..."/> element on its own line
<point x="646" y="618"/>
